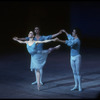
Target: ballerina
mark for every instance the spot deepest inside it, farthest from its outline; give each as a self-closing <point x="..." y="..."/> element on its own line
<point x="39" y="37"/>
<point x="38" y="58"/>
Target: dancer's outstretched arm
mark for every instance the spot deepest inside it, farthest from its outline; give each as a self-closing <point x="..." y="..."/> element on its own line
<point x="19" y="41"/>
<point x="62" y="41"/>
<point x="22" y="39"/>
<point x="46" y="41"/>
<point x="69" y="43"/>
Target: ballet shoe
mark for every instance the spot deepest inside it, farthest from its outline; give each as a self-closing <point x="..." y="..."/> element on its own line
<point x="80" y="89"/>
<point x="41" y="83"/>
<point x="34" y="83"/>
<point x="75" y="88"/>
<point x="38" y="87"/>
<point x="57" y="47"/>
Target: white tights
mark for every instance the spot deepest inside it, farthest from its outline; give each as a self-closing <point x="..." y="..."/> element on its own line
<point x="75" y="65"/>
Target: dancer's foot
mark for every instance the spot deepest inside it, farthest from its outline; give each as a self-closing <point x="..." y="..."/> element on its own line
<point x="38" y="87"/>
<point x="41" y="83"/>
<point x="73" y="88"/>
<point x="57" y="47"/>
<point x="80" y="89"/>
<point x="34" y="83"/>
<point x="54" y="48"/>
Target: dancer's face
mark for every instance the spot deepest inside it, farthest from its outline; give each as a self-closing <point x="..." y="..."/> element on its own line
<point x="36" y="30"/>
<point x="31" y="34"/>
<point x="74" y="33"/>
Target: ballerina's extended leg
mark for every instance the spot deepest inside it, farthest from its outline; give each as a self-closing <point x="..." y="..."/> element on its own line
<point x="54" y="48"/>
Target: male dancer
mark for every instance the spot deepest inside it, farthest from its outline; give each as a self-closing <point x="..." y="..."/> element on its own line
<point x="75" y="56"/>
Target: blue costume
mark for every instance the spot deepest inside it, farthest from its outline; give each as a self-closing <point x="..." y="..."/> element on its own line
<point x="74" y="45"/>
<point x="42" y="38"/>
<point x="42" y="56"/>
<point x="38" y="58"/>
<point x="75" y="59"/>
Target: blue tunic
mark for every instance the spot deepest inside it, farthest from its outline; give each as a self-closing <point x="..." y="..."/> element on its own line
<point x="74" y="45"/>
<point x="42" y="38"/>
<point x="38" y="58"/>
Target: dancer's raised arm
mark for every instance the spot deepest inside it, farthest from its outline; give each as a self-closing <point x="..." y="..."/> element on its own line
<point x="56" y="34"/>
<point x="64" y="32"/>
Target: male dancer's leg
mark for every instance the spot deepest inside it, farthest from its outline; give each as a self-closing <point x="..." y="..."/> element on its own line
<point x="72" y="61"/>
<point x="78" y="63"/>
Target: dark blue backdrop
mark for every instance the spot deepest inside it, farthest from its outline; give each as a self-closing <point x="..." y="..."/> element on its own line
<point x="86" y="16"/>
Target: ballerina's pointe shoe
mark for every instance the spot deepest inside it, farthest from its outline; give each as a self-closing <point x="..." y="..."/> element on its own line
<point x="75" y="88"/>
<point x="38" y="87"/>
<point x="34" y="83"/>
<point x="80" y="89"/>
<point x="58" y="46"/>
<point x="41" y="83"/>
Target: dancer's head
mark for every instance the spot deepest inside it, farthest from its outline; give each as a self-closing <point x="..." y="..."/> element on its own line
<point x="31" y="34"/>
<point x="37" y="30"/>
<point x="75" y="32"/>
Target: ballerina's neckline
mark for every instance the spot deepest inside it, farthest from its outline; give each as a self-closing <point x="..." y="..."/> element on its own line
<point x="30" y="45"/>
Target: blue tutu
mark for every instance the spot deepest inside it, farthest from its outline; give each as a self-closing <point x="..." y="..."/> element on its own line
<point x="38" y="58"/>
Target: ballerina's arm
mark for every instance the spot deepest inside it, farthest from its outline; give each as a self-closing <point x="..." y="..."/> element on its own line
<point x="19" y="41"/>
<point x="62" y="41"/>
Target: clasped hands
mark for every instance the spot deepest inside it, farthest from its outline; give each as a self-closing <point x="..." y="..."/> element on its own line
<point x="62" y="31"/>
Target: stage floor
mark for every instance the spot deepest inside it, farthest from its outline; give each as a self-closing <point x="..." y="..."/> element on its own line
<point x="16" y="77"/>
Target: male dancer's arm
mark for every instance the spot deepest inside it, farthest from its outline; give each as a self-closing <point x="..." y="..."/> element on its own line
<point x="71" y="42"/>
<point x="62" y="41"/>
<point x="69" y="36"/>
<point x="68" y="42"/>
<point x="65" y="32"/>
<point x="51" y="36"/>
<point x="55" y="35"/>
